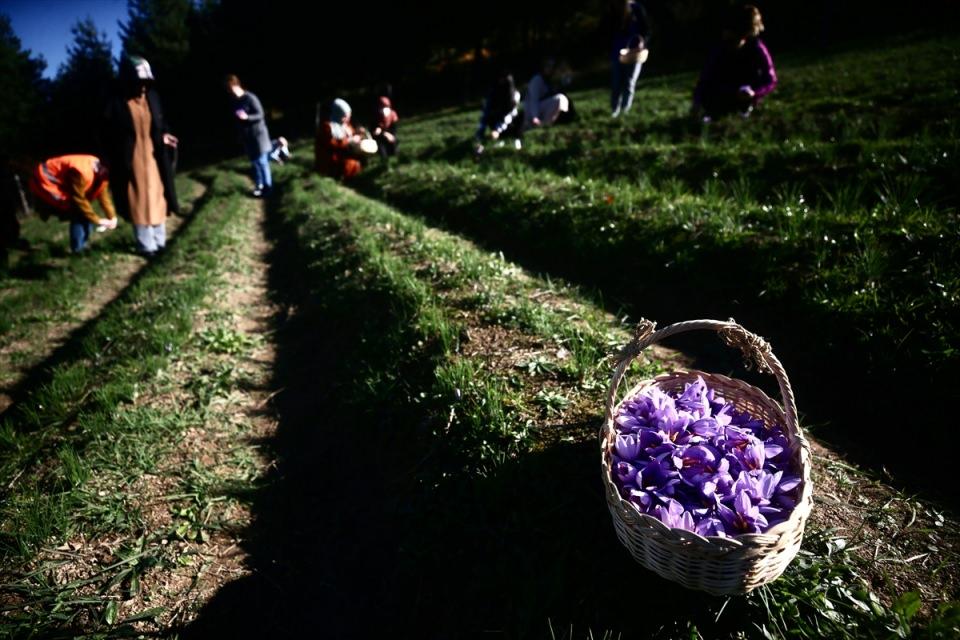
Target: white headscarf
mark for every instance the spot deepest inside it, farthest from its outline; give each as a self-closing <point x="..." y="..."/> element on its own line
<point x="338" y="111"/>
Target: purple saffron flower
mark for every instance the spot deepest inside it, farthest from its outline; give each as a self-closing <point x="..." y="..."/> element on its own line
<point x="789" y="483"/>
<point x="659" y="477"/>
<point x="630" y="423"/>
<point x="711" y="526"/>
<point x="641" y="498"/>
<point x="744" y="517"/>
<point x="674" y="515"/>
<point x="626" y="473"/>
<point x="694" y="398"/>
<point x="695" y="462"/>
<point x="706" y="427"/>
<point x="753" y="455"/>
<point x="761" y="488"/>
<point x="628" y="446"/>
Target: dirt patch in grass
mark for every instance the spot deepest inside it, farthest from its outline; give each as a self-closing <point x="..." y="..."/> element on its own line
<point x="899" y="542"/>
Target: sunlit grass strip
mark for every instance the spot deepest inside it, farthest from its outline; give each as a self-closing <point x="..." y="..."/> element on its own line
<point x="55" y="438"/>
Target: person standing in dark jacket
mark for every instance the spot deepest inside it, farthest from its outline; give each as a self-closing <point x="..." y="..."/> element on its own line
<point x="139" y="145"/>
<point x="253" y="133"/>
<point x="632" y="34"/>
<point x="739" y="72"/>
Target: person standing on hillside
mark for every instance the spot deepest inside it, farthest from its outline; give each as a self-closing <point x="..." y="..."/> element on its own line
<point x="65" y="186"/>
<point x="739" y="72"/>
<point x="142" y="168"/>
<point x="253" y="133"/>
<point x="629" y="52"/>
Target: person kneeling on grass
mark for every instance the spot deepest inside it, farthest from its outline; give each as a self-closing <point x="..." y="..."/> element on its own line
<point x="500" y="113"/>
<point x="385" y="133"/>
<point x="739" y="72"/>
<point x="337" y="146"/>
<point x="65" y="186"/>
<point x="544" y="105"/>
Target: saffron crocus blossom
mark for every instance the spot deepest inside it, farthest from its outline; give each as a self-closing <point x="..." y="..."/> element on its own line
<point x="745" y="517"/>
<point x="674" y="515"/>
<point x="696" y="462"/>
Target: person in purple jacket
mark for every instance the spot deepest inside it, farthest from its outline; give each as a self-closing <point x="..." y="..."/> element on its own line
<point x="739" y="72"/>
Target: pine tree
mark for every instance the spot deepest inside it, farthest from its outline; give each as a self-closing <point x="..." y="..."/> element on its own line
<point x="81" y="89"/>
<point x="89" y="57"/>
<point x="159" y="31"/>
<point x="21" y="78"/>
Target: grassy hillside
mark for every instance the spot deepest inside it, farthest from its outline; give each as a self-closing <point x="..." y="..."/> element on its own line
<point x="827" y="221"/>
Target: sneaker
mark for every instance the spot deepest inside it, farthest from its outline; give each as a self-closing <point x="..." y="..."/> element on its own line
<point x="479" y="149"/>
<point x="257" y="191"/>
<point x="517" y="144"/>
<point x="615" y="113"/>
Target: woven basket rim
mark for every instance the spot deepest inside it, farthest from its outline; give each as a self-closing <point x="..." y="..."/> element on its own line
<point x="801" y="454"/>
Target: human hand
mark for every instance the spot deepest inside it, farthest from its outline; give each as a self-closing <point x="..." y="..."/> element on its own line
<point x="746" y="91"/>
<point x="241" y="114"/>
<point x="107" y="224"/>
<point x="535" y="122"/>
<point x="170" y="140"/>
<point x="494" y="134"/>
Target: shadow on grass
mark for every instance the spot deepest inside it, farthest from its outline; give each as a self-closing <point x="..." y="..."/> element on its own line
<point x="360" y="531"/>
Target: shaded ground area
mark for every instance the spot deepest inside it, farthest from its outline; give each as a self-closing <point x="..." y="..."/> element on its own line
<point x="352" y="537"/>
<point x="357" y="534"/>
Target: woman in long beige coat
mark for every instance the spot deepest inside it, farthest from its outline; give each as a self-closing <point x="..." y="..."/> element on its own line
<point x="140" y="161"/>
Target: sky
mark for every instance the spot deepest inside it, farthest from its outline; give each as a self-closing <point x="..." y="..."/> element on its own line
<point x="43" y="26"/>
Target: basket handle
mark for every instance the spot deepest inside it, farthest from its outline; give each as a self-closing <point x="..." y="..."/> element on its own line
<point x="756" y="351"/>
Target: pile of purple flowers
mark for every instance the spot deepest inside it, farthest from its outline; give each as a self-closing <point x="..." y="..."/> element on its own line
<point x="696" y="463"/>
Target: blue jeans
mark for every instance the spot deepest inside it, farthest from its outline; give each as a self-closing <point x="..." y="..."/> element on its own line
<point x="261" y="170"/>
<point x="80" y="231"/>
<point x="624" y="84"/>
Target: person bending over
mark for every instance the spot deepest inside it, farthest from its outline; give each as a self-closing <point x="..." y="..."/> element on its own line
<point x="66" y="186"/>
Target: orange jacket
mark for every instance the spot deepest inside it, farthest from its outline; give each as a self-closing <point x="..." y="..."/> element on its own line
<point x="72" y="182"/>
<point x="332" y="156"/>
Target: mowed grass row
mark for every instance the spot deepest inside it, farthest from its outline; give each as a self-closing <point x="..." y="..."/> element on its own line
<point x="481" y="469"/>
<point x="74" y="448"/>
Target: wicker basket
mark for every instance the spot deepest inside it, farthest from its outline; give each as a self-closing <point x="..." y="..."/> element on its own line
<point x="720" y="566"/>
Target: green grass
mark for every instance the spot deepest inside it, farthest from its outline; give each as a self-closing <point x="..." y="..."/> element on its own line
<point x="435" y="464"/>
<point x="74" y="447"/>
<point x="412" y="292"/>
<point x="826" y="222"/>
<point x="48" y="291"/>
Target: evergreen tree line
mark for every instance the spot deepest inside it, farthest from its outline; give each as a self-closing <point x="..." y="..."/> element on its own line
<point x="294" y="55"/>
